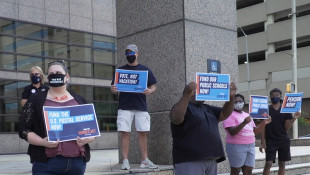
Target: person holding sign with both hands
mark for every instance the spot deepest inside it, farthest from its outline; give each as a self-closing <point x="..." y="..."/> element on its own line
<point x="240" y="139"/>
<point x="274" y="137"/>
<point x="68" y="157"/>
<point x="133" y="105"/>
<point x="197" y="145"/>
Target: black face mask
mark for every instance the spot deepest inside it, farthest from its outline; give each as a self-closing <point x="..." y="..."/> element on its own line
<point x="131" y="58"/>
<point x="35" y="79"/>
<point x="56" y="80"/>
<point x="275" y="100"/>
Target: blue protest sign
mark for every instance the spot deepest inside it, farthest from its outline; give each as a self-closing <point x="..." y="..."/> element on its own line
<point x="130" y="81"/>
<point x="212" y="87"/>
<point x="258" y="107"/>
<point x="68" y="122"/>
<point x="291" y="103"/>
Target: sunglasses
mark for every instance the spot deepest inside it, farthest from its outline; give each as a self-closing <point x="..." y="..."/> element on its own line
<point x="130" y="53"/>
<point x="35" y="74"/>
<point x="57" y="61"/>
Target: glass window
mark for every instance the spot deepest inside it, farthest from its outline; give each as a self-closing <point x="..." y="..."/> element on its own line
<point x="29" y="30"/>
<point x="50" y="60"/>
<point x="104" y="94"/>
<point x="20" y="87"/>
<point x="55" y="50"/>
<point x="28" y="46"/>
<point x="80" y="38"/>
<point x="24" y="63"/>
<point x="6" y="43"/>
<point x="80" y="69"/>
<point x="106" y="109"/>
<point x="80" y="53"/>
<point x="84" y="91"/>
<point x="9" y="123"/>
<point x="107" y="123"/>
<point x="7" y="61"/>
<point x="8" y="88"/>
<point x="103" y="71"/>
<point x="6" y="26"/>
<point x="10" y="106"/>
<point x="104" y="42"/>
<point x="103" y="56"/>
<point x="54" y="34"/>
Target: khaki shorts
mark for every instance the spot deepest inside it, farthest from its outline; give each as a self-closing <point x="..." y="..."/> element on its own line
<point x="125" y="118"/>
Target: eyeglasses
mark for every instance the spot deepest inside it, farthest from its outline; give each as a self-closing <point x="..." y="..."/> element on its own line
<point x="130" y="53"/>
<point x="56" y="61"/>
<point x="35" y="74"/>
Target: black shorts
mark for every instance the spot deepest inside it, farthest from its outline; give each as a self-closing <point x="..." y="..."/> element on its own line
<point x="282" y="147"/>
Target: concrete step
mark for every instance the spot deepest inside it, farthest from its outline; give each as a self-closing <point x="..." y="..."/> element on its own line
<point x="293" y="169"/>
<point x="260" y="163"/>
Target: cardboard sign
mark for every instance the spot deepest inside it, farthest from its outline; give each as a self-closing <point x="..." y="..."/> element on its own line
<point x="292" y="103"/>
<point x="212" y="87"/>
<point x="130" y="81"/>
<point x="68" y="122"/>
<point x="258" y="107"/>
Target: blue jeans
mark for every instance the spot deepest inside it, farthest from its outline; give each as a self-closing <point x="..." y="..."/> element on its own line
<point x="60" y="165"/>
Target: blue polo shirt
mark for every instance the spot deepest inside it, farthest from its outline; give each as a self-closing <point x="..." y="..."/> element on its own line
<point x="131" y="100"/>
<point x="198" y="137"/>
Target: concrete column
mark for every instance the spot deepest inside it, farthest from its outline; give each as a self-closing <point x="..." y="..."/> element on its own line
<point x="271" y="46"/>
<point x="175" y="39"/>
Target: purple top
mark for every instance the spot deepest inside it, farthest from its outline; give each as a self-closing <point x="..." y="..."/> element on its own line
<point x="68" y="148"/>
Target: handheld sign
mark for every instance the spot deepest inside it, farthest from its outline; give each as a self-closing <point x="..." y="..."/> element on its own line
<point x="212" y="87"/>
<point x="130" y="81"/>
<point x="291" y="103"/>
<point x="68" y="122"/>
<point x="258" y="107"/>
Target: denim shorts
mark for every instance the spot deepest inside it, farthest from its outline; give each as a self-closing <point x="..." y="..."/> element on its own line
<point x="241" y="154"/>
<point x="60" y="165"/>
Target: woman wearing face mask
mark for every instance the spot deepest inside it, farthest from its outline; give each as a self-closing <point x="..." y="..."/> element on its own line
<point x="68" y="157"/>
<point x="37" y="84"/>
<point x="240" y="140"/>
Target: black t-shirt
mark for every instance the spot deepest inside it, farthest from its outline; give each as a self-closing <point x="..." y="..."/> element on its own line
<point x="275" y="130"/>
<point x="198" y="137"/>
<point x="29" y="90"/>
<point x="135" y="101"/>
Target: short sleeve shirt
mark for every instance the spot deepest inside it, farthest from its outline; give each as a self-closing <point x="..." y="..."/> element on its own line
<point x="198" y="137"/>
<point x="275" y="130"/>
<point x="246" y="135"/>
<point x="135" y="101"/>
<point x="29" y="90"/>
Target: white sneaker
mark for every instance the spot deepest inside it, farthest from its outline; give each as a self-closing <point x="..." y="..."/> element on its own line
<point x="125" y="165"/>
<point x="148" y="164"/>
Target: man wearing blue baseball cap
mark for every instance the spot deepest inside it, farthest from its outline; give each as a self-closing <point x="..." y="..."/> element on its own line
<point x="133" y="106"/>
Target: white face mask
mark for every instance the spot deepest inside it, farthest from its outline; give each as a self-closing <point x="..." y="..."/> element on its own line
<point x="238" y="106"/>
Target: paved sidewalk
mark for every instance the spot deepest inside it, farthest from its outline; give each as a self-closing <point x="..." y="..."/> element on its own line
<point x="102" y="162"/>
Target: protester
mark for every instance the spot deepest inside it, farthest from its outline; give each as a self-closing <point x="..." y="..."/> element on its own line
<point x="240" y="140"/>
<point x="274" y="137"/>
<point x="68" y="157"/>
<point x="133" y="105"/>
<point x="197" y="145"/>
<point x="37" y="84"/>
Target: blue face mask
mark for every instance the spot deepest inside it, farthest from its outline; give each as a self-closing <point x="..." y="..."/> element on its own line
<point x="275" y="100"/>
<point x="35" y="79"/>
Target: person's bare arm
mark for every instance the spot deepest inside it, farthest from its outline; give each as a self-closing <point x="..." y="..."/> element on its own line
<point x="289" y="123"/>
<point x="236" y="129"/>
<point x="178" y="110"/>
<point x="23" y="102"/>
<point x="151" y="89"/>
<point x="229" y="106"/>
<point x="262" y="125"/>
